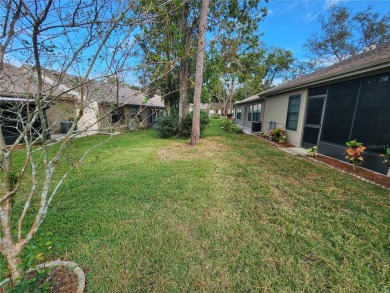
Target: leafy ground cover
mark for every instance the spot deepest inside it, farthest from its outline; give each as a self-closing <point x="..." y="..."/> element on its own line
<point x="231" y="214"/>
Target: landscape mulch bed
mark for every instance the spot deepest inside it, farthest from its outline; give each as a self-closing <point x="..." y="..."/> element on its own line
<point x="377" y="178"/>
<point x="382" y="180"/>
<point x="61" y="280"/>
<point x="278" y="144"/>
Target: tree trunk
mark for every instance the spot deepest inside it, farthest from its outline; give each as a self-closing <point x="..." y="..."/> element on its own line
<point x="199" y="73"/>
<point x="183" y="79"/>
<point x="183" y="101"/>
<point x="13" y="265"/>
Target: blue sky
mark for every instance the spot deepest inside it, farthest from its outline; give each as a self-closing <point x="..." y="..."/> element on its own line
<point x="290" y="22"/>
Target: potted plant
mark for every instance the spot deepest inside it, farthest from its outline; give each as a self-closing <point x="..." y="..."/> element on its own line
<point x="354" y="152"/>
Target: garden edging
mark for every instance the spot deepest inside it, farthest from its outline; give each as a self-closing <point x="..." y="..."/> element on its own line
<point x="58" y="263"/>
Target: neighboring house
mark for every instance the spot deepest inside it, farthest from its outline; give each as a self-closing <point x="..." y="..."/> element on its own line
<point x="203" y="107"/>
<point x="17" y="91"/>
<point x="219" y="109"/>
<point x="106" y="106"/>
<point x="110" y="105"/>
<point x="348" y="100"/>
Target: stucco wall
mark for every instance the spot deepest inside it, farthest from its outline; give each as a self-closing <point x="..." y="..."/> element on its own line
<point x="275" y="109"/>
<point x="61" y="110"/>
<point x="104" y="111"/>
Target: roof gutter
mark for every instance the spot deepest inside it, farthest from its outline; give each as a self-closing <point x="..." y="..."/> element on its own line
<point x="316" y="81"/>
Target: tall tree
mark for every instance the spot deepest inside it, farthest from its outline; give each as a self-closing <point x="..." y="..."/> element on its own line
<point x="83" y="37"/>
<point x="175" y="44"/>
<point x="195" y="134"/>
<point x="344" y="34"/>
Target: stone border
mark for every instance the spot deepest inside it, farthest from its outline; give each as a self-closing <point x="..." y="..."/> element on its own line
<point x="57" y="263"/>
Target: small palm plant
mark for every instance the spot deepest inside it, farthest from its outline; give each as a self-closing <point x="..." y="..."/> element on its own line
<point x="354" y="152"/>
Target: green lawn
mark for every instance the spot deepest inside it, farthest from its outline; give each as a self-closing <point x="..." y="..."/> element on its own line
<point x="232" y="214"/>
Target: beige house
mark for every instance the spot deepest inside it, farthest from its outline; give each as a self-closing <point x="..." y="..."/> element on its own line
<point x="104" y="105"/>
<point x="219" y="109"/>
<point x="17" y="92"/>
<point x="348" y="100"/>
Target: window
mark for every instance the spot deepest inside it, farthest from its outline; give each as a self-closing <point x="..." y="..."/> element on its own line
<point x="250" y="110"/>
<point x="238" y="113"/>
<point x="256" y="113"/>
<point x="133" y="111"/>
<point x="118" y="115"/>
<point x="294" y="103"/>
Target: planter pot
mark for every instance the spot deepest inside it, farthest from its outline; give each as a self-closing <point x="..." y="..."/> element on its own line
<point x="65" y="126"/>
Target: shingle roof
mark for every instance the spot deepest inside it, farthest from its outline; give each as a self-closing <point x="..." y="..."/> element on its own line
<point x="247" y="100"/>
<point x="105" y="92"/>
<point x="365" y="60"/>
<point x="379" y="56"/>
<point x="21" y="82"/>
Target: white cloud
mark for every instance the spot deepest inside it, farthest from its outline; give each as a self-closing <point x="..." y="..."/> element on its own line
<point x="329" y="3"/>
<point x="310" y="16"/>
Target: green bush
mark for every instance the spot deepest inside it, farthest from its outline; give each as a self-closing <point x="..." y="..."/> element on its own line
<point x="216" y="116"/>
<point x="168" y="126"/>
<point x="231" y="126"/>
<point x="187" y="124"/>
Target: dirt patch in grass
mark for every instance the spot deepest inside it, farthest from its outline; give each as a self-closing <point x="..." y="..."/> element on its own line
<point x="361" y="172"/>
<point x="62" y="280"/>
<point x="184" y="151"/>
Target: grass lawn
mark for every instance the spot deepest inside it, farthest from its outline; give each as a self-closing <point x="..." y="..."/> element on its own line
<point x="232" y="214"/>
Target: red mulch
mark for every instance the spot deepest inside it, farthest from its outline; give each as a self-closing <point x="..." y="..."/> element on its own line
<point x="380" y="179"/>
<point x="62" y="280"/>
<point x="283" y="145"/>
<point x="367" y="174"/>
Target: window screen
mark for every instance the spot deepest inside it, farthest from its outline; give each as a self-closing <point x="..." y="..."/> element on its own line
<point x="372" y="118"/>
<point x="310" y="135"/>
<point x="317" y="91"/>
<point x="314" y="111"/>
<point x="340" y="106"/>
<point x="294" y="104"/>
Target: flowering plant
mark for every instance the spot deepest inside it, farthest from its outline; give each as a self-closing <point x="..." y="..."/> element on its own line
<point x="277" y="134"/>
<point x="354" y="152"/>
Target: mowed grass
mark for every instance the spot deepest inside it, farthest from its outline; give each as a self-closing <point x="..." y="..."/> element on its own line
<point x="232" y="214"/>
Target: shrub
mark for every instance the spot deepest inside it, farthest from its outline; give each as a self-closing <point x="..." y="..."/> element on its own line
<point x="229" y="115"/>
<point x="231" y="126"/>
<point x="215" y="116"/>
<point x="277" y="134"/>
<point x="168" y="126"/>
<point x="187" y="124"/>
<point x="354" y="152"/>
